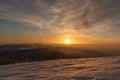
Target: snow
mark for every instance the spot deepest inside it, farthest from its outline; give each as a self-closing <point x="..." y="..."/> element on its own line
<point x="106" y="68"/>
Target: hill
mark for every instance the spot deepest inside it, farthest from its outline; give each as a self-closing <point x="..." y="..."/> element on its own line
<point x="10" y="54"/>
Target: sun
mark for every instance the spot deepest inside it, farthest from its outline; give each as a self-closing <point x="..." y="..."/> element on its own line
<point x="67" y="41"/>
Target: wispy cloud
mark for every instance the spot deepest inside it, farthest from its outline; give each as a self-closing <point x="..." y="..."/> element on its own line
<point x="98" y="18"/>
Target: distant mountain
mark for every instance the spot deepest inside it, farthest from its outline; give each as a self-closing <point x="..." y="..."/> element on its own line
<point x="31" y="52"/>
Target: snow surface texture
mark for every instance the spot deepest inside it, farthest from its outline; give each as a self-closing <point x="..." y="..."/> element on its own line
<point x="68" y="69"/>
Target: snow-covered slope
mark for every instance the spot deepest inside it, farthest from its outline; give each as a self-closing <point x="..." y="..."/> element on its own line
<point x="68" y="69"/>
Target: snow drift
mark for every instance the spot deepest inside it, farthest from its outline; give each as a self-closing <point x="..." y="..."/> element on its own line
<point x="106" y="68"/>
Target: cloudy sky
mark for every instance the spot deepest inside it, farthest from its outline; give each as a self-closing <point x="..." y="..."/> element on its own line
<point x="51" y="21"/>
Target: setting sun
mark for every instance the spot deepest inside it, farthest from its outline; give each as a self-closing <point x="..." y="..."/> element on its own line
<point x="67" y="41"/>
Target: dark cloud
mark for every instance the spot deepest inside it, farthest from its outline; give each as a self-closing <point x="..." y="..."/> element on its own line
<point x="104" y="9"/>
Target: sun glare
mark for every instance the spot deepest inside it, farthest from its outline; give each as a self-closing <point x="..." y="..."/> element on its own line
<point x="67" y="41"/>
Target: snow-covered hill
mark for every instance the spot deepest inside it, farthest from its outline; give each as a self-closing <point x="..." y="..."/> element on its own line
<point x="69" y="69"/>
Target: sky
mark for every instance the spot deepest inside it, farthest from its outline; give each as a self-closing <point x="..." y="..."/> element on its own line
<point x="53" y="21"/>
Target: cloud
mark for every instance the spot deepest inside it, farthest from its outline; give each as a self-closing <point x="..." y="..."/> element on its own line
<point x="93" y="17"/>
